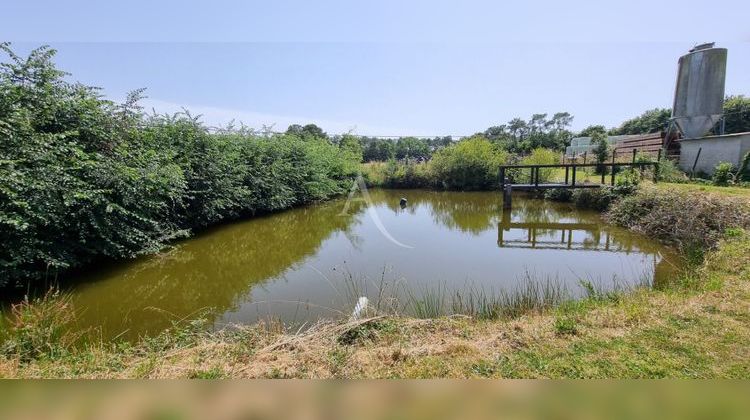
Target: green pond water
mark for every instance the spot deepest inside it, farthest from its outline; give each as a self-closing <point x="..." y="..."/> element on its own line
<point x="306" y="263"/>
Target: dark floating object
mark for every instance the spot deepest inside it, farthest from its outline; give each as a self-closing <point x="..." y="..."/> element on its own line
<point x="403" y="202"/>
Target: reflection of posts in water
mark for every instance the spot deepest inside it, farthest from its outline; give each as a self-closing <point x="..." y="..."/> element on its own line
<point x="504" y="221"/>
<point x="535" y="230"/>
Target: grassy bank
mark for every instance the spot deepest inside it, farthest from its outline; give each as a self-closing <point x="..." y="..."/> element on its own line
<point x="696" y="325"/>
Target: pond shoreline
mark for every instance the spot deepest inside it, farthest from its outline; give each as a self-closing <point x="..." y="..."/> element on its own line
<point x="463" y="254"/>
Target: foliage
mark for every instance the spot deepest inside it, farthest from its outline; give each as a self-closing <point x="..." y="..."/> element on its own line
<point x="519" y="136"/>
<point x="736" y="114"/>
<point x="736" y="118"/>
<point x="471" y="164"/>
<point x="692" y="220"/>
<point x="38" y="328"/>
<point x="559" y="194"/>
<point x="650" y="121"/>
<point x="541" y="156"/>
<point x="83" y="178"/>
<point x="593" y="130"/>
<point x="601" y="151"/>
<point x="627" y="181"/>
<point x="744" y="170"/>
<point x="723" y="174"/>
<point x="412" y="147"/>
<point x="352" y="146"/>
<point x="593" y="198"/>
<point x="308" y="131"/>
<point x="377" y="150"/>
<point x="407" y="174"/>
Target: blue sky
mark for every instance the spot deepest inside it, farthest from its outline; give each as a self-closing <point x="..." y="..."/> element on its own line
<point x="386" y="67"/>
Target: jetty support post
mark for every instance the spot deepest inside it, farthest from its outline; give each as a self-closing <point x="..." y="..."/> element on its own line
<point x="507" y="195"/>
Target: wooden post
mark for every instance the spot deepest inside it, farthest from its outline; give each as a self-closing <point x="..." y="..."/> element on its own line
<point x="574" y="176"/>
<point x="536" y="177"/>
<point x="692" y="171"/>
<point x="634" y="155"/>
<point x="507" y="196"/>
<point x="502" y="177"/>
<point x="567" y="169"/>
<point x="658" y="155"/>
<point x="612" y="180"/>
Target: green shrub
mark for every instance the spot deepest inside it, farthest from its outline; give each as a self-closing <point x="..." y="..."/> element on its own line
<point x="471" y="164"/>
<point x="723" y="174"/>
<point x="541" y="156"/>
<point x="593" y="198"/>
<point x="669" y="172"/>
<point x="566" y="325"/>
<point x="559" y="194"/>
<point x="743" y="174"/>
<point x="627" y="181"/>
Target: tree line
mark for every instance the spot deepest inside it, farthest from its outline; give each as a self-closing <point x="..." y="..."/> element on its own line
<point x="521" y="136"/>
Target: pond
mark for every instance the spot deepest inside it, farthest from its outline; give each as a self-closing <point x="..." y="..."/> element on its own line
<point x="311" y="262"/>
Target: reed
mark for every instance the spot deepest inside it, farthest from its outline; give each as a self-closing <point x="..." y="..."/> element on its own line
<point x="39" y="327"/>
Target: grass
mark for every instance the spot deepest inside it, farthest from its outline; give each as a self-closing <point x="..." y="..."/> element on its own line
<point x="711" y="189"/>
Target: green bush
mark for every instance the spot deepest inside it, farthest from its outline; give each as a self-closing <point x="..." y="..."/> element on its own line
<point x="471" y="164"/>
<point x="743" y="173"/>
<point x="723" y="174"/>
<point x="559" y="194"/>
<point x="407" y="174"/>
<point x="594" y="198"/>
<point x="83" y="178"/>
<point x="669" y="172"/>
<point x="541" y="156"/>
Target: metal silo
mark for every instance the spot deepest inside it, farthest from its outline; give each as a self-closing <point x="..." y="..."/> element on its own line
<point x="699" y="94"/>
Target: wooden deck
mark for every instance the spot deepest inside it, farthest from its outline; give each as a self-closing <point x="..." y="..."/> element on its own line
<point x="607" y="176"/>
<point x="552" y="185"/>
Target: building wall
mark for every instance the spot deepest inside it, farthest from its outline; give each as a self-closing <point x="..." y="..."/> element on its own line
<point x="713" y="149"/>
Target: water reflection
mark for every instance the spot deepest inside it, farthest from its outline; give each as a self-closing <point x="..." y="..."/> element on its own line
<point x="207" y="275"/>
<point x="297" y="265"/>
<point x="551" y="235"/>
<point x="531" y="226"/>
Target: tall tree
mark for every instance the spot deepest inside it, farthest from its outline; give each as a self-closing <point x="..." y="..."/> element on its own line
<point x="412" y="147"/>
<point x="307" y="131"/>
<point x="593" y="130"/>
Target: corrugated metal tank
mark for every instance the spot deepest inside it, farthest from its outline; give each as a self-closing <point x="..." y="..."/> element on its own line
<point x="699" y="94"/>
